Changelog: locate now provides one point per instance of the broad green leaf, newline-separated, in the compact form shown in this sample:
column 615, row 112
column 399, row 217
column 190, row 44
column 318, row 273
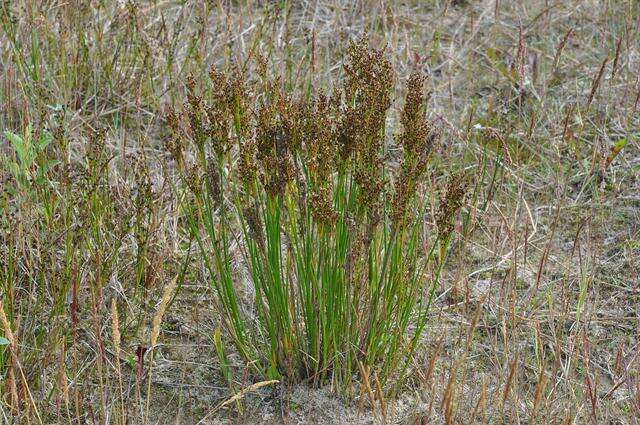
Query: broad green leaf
column 15, row 170
column 4, row 341
column 616, row 149
column 621, row 143
column 20, row 147
column 44, row 169
column 45, row 140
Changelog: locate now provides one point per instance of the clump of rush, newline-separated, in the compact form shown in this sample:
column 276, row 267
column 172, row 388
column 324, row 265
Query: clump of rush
column 298, row 192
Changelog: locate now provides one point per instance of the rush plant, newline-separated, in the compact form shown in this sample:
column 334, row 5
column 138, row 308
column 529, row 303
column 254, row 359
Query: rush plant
column 299, row 195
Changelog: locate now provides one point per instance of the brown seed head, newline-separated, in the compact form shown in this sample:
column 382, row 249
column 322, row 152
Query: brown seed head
column 367, row 91
column 321, row 202
column 415, row 136
column 318, row 137
column 194, row 179
column 213, row 182
column 273, row 145
column 254, row 223
column 247, row 167
column 417, row 139
column 450, row 204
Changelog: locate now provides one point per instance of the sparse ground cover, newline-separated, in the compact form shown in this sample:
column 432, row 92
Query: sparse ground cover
column 110, row 312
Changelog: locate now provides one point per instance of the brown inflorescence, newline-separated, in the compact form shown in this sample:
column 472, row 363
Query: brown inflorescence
column 367, row 92
column 417, row 140
column 450, row 204
column 273, row 145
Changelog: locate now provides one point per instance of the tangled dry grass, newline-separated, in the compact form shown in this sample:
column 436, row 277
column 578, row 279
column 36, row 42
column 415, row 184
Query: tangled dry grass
column 108, row 309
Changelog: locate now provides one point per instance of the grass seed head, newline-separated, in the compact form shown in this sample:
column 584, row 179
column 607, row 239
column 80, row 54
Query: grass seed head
column 417, row 139
column 254, row 223
column 193, row 179
column 273, row 142
column 319, row 138
column 416, row 128
column 247, row 166
column 367, row 91
column 450, row 204
column 193, row 108
column 213, row 181
column 321, row 201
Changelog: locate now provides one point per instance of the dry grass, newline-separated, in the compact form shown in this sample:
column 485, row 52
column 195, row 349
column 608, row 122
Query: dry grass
column 536, row 319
